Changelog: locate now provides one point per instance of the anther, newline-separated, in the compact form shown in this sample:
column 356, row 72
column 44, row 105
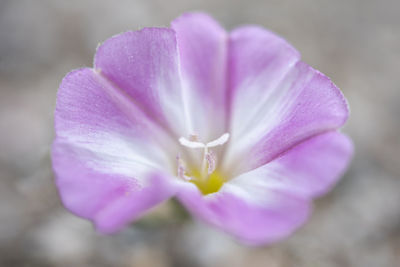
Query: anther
column 193, row 137
column 181, row 169
column 211, row 160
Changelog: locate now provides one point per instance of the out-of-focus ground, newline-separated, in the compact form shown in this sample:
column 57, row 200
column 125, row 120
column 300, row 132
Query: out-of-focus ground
column 355, row 42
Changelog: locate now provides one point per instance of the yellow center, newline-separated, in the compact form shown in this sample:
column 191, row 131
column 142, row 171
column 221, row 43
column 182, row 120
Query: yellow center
column 211, row 184
column 207, row 178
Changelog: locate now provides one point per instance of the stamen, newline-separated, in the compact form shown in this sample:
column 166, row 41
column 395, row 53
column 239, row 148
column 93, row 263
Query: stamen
column 204, row 164
column 211, row 160
column 181, row 169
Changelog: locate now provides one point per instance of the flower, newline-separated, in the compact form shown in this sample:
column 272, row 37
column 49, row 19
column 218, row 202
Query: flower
column 234, row 125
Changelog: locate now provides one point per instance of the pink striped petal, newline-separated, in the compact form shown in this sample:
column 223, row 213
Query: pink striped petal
column 253, row 215
column 144, row 65
column 109, row 198
column 106, row 152
column 202, row 45
column 277, row 101
column 309, row 169
column 270, row 202
column 258, row 62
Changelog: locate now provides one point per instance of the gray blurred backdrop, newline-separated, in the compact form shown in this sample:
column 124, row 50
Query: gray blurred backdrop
column 355, row 42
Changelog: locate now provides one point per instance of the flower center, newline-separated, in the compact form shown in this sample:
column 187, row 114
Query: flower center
column 205, row 174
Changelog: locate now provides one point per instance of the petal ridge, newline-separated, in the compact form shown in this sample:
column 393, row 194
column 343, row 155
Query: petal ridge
column 202, row 51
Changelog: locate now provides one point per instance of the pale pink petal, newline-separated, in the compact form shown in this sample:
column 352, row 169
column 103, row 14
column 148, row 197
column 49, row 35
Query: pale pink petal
column 105, row 195
column 253, row 215
column 277, row 101
column 315, row 107
column 202, row 45
column 144, row 65
column 91, row 112
column 270, row 202
column 258, row 62
column 105, row 150
column 309, row 169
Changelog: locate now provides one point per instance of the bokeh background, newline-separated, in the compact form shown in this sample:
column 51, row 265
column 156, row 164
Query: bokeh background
column 355, row 42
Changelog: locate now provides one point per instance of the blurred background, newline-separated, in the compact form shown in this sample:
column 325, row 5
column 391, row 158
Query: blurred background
column 355, row 42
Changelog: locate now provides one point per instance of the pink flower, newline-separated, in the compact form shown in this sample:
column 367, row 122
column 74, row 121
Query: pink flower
column 234, row 125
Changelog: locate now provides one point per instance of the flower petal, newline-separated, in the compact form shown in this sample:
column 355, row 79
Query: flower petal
column 258, row 62
column 92, row 113
column 276, row 100
column 270, row 202
column 105, row 150
column 202, row 45
column 144, row 65
column 313, row 108
column 309, row 169
column 252, row 214
column 110, row 198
